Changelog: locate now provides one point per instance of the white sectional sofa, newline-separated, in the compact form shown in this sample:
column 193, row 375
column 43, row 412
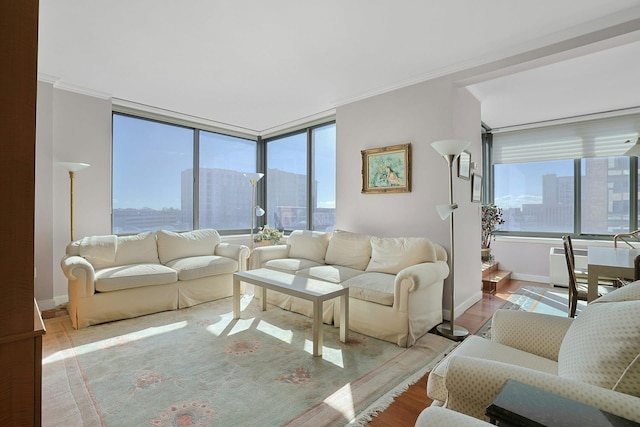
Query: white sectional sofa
column 117, row 277
column 395, row 284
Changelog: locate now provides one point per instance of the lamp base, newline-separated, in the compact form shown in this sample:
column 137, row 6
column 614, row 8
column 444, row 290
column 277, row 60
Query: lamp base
column 458, row 334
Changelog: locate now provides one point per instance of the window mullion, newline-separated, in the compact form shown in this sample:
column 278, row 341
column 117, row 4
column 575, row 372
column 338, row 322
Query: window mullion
column 577, row 197
column 310, row 178
column 633, row 193
column 196, row 179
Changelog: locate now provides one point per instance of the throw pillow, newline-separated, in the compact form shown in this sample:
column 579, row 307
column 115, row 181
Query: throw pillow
column 602, row 347
column 349, row 249
column 390, row 255
column 310, row 245
column 181, row 245
column 137, row 249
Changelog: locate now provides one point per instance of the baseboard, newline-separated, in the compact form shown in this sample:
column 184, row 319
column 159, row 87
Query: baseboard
column 530, row 278
column 50, row 304
column 464, row 306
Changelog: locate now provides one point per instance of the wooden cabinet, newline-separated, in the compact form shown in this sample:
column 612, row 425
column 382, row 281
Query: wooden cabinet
column 20, row 325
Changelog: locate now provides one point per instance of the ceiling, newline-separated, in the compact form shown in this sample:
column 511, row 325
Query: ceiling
column 260, row 66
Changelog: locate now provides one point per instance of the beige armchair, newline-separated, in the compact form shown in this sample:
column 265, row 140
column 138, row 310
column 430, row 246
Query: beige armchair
column 593, row 359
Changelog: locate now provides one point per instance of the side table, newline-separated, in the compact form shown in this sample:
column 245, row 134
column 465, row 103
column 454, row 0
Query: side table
column 520, row 404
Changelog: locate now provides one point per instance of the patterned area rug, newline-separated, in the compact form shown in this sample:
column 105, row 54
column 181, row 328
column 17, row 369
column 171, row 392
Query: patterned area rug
column 199, row 367
column 554, row 301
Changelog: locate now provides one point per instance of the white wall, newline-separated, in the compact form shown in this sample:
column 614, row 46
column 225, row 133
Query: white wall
column 75, row 128
column 418, row 114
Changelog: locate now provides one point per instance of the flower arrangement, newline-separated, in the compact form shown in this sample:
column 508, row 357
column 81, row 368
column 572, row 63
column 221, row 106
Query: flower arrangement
column 267, row 233
column 491, row 218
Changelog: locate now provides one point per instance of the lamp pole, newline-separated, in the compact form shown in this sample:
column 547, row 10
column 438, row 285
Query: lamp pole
column 72, row 167
column 253, row 179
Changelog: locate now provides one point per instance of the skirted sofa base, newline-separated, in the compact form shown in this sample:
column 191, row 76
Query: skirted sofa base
column 395, row 284
column 118, row 277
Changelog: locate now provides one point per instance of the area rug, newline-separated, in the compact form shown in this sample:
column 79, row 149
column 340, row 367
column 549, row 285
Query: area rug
column 199, row 367
column 554, row 301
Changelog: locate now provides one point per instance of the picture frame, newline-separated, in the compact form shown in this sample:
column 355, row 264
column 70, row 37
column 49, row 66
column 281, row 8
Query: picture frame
column 386, row 169
column 464, row 165
column 476, row 188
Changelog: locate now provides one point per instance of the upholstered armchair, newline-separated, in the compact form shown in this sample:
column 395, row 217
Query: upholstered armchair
column 593, row 359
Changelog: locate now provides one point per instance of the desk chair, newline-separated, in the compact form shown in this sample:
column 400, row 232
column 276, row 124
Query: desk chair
column 578, row 290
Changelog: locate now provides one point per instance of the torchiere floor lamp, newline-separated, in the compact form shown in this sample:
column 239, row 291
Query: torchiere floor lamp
column 450, row 149
column 255, row 209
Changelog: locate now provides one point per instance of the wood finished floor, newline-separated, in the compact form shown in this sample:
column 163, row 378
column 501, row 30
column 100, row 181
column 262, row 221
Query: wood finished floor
column 405, row 409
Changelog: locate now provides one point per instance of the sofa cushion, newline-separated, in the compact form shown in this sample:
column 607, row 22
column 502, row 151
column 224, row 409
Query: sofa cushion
column 290, row 265
column 137, row 249
column 101, row 248
column 308, row 245
column 602, row 347
column 182, row 245
column 482, row 348
column 349, row 249
column 203, row 266
column 134, row 276
column 372, row 287
column 329, row 273
column 390, row 255
column 630, row 292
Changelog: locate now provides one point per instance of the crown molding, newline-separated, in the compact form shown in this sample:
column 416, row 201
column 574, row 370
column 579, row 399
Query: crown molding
column 81, row 90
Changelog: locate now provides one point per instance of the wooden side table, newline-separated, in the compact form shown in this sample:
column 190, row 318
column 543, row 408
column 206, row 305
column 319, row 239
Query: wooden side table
column 520, row 404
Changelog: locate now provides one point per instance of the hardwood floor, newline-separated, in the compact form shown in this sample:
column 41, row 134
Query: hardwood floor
column 405, row 409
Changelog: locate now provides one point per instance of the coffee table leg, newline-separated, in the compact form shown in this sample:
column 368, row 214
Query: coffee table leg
column 263, row 298
column 317, row 328
column 344, row 317
column 236, row 298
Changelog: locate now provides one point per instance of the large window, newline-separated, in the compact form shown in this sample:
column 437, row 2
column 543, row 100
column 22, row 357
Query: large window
column 177, row 177
column 151, row 163
column 570, row 178
column 291, row 194
column 153, row 177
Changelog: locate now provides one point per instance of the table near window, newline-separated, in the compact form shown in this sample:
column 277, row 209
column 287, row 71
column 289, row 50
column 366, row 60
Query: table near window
column 608, row 262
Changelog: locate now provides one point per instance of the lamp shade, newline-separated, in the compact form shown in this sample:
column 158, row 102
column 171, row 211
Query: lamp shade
column 445, row 210
column 74, row 166
column 254, row 177
column 450, row 147
column 634, row 150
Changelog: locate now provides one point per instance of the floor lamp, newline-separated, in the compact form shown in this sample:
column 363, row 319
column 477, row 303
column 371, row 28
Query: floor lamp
column 450, row 149
column 72, row 167
column 255, row 209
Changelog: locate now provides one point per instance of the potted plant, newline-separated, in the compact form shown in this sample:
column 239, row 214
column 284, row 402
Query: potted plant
column 267, row 236
column 491, row 218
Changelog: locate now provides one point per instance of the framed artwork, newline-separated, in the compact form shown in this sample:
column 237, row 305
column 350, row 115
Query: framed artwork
column 387, row 169
column 464, row 165
column 476, row 188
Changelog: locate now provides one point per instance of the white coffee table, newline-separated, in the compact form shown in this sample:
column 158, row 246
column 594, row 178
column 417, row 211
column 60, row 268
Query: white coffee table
column 316, row 291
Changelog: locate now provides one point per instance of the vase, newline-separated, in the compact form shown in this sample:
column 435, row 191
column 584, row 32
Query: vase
column 485, row 254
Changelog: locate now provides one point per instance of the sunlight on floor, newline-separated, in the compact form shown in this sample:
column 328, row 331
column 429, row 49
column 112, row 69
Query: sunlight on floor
column 112, row 342
column 342, row 402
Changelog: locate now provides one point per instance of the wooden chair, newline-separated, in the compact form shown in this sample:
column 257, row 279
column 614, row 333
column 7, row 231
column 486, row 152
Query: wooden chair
column 578, row 290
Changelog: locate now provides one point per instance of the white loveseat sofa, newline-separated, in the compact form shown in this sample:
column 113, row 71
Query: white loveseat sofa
column 117, row 277
column 593, row 359
column 395, row 284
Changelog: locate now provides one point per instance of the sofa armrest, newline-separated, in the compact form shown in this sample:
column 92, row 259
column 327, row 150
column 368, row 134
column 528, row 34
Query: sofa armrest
column 239, row 253
column 80, row 274
column 434, row 416
column 536, row 333
column 262, row 254
column 417, row 276
column 473, row 384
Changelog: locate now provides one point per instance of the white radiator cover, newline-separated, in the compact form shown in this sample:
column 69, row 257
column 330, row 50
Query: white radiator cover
column 558, row 275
